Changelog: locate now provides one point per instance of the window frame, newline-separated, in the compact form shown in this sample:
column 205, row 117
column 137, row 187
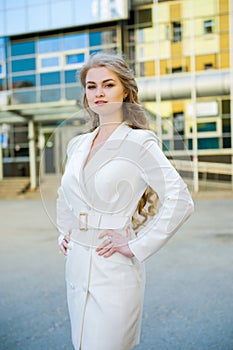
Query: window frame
column 3, row 73
column 71, row 66
column 205, row 27
column 176, row 32
column 52, row 68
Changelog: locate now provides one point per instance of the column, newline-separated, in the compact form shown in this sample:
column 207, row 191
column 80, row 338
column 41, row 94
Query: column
column 231, row 80
column 1, row 160
column 32, row 154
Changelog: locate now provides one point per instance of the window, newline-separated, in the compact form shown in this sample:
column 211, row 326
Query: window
column 75, row 41
column 95, row 39
column 1, row 69
column 49, row 45
column 107, row 37
column 70, row 76
column 75, row 58
column 50, row 78
column 145, row 16
column 178, row 123
column 177, row 33
column 23, row 65
column 23, row 48
column 49, row 62
column 208, row 26
column 177, row 70
column 24, row 81
column 167, row 32
column 2, row 53
column 208, row 66
column 92, row 52
column 206, row 127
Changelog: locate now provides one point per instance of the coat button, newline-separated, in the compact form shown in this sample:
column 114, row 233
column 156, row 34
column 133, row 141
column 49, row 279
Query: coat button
column 72, row 286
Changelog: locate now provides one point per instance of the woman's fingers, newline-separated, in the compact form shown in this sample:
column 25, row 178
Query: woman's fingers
column 105, row 246
column 115, row 242
column 65, row 244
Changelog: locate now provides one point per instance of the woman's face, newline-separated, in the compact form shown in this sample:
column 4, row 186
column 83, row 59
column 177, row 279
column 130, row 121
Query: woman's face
column 104, row 91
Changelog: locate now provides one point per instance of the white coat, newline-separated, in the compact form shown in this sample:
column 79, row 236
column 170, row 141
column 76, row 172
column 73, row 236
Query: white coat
column 105, row 295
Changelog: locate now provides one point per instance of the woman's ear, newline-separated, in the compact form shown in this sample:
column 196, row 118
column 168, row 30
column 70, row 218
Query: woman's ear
column 125, row 95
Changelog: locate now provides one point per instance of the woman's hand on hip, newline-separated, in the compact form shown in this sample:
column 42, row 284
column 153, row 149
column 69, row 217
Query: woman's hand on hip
column 114, row 242
column 64, row 246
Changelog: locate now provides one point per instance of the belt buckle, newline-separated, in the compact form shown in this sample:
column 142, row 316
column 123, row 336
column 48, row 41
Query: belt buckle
column 83, row 225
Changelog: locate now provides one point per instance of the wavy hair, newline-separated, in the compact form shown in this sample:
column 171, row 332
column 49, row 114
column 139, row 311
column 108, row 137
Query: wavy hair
column 133, row 115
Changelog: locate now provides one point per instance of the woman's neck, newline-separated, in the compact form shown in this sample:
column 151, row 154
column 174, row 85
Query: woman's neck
column 104, row 124
column 106, row 128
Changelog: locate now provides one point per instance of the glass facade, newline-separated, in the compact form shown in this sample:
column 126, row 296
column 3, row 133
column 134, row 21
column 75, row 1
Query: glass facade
column 43, row 15
column 50, row 61
column 42, row 67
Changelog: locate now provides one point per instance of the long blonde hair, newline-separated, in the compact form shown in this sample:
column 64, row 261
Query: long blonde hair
column 133, row 114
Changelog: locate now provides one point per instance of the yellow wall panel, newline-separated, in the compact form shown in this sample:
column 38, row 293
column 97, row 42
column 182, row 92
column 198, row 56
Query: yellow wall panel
column 150, row 68
column 165, row 108
column 176, row 49
column 163, row 67
column 205, row 59
column 177, row 106
column 175, row 11
column 187, row 64
column 223, row 23
column 223, row 5
column 224, row 41
column 224, row 60
column 176, row 62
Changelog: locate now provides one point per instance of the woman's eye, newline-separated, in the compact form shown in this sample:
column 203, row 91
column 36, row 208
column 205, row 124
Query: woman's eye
column 90, row 87
column 109, row 85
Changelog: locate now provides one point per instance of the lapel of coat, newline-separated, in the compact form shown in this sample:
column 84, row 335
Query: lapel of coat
column 108, row 151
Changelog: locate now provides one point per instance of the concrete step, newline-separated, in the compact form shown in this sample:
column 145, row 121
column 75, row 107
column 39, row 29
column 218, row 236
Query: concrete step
column 13, row 187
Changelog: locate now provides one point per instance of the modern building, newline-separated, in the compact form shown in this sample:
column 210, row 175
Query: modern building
column 180, row 50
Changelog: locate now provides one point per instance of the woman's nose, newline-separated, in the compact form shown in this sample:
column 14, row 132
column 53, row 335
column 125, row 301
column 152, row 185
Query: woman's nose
column 99, row 91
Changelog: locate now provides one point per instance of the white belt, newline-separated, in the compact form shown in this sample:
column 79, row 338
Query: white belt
column 88, row 221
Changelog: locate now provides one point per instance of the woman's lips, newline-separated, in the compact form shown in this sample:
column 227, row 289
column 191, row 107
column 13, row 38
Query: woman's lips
column 100, row 102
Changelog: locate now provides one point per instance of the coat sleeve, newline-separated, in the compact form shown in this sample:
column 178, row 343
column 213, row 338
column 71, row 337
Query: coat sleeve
column 175, row 202
column 64, row 216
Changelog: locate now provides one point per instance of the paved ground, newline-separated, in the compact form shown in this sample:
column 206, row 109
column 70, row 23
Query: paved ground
column 189, row 295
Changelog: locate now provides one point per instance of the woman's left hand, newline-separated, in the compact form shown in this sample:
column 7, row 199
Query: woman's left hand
column 114, row 242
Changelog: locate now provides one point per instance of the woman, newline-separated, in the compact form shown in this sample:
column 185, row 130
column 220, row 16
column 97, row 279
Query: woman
column 119, row 202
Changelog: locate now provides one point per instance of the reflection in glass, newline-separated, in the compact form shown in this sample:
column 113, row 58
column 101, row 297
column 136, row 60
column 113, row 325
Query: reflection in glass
column 50, row 95
column 23, row 48
column 75, row 41
column 70, row 76
column 50, row 78
column 49, row 45
column 49, row 62
column 24, row 81
column 28, row 96
column 23, row 65
column 75, row 58
column 102, row 38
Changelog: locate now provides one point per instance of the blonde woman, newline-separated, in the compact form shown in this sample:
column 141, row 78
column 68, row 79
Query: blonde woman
column 120, row 200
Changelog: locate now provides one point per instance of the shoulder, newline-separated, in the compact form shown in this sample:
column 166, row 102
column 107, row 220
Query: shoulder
column 75, row 142
column 143, row 136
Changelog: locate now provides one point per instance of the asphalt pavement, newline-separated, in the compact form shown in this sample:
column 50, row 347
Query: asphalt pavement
column 189, row 292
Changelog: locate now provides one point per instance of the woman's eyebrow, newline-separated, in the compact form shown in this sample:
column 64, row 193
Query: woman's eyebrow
column 104, row 81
